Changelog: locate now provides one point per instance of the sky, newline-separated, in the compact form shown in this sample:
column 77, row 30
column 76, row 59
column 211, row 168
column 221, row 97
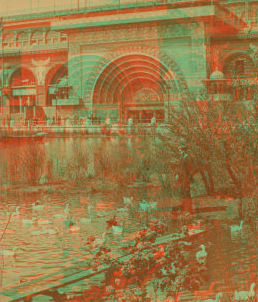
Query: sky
column 11, row 7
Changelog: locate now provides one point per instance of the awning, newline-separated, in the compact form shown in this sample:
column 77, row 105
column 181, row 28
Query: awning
column 24, row 91
column 66, row 102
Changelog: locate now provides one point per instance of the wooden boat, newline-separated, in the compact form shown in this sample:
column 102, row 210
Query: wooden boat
column 24, row 137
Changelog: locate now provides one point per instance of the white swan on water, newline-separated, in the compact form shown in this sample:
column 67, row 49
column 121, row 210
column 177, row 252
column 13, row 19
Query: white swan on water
column 64, row 214
column 244, row 295
column 236, row 229
column 201, row 256
column 27, row 222
column 38, row 207
column 8, row 252
column 17, row 213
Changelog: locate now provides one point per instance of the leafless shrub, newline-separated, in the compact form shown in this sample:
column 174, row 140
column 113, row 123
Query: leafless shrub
column 78, row 165
column 32, row 161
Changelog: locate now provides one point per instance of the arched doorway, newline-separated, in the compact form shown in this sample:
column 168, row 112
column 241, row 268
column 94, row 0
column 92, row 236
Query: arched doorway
column 135, row 86
column 57, row 88
column 58, row 92
column 23, row 93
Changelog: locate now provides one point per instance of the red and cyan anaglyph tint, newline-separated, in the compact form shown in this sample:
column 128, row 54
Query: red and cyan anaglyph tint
column 128, row 150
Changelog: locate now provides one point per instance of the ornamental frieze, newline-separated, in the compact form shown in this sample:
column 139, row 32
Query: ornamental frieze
column 131, row 33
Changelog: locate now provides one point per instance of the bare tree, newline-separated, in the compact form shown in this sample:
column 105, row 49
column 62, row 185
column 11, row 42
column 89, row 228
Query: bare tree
column 32, row 160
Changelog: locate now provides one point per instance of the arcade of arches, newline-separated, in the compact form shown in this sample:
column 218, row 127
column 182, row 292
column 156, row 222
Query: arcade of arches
column 134, row 85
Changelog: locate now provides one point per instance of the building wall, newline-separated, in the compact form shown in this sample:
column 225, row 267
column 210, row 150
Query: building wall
column 87, row 46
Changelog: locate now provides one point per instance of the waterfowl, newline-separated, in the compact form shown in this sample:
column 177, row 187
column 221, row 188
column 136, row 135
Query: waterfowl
column 103, row 206
column 51, row 231
column 128, row 201
column 36, row 206
column 153, row 205
column 17, row 213
column 6, row 221
column 9, row 253
column 37, row 233
column 117, row 229
column 84, row 200
column 122, row 210
column 193, row 227
column 44, row 221
column 74, row 228
column 204, row 294
column 85, row 220
column 236, row 230
column 217, row 299
column 201, row 256
column 28, row 222
column 144, row 206
column 244, row 295
column 65, row 213
column 60, row 216
column 6, row 231
column 67, row 210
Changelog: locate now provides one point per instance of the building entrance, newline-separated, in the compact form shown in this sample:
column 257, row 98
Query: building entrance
column 145, row 116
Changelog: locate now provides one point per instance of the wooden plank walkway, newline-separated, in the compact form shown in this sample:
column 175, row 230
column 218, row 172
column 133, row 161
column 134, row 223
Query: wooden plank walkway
column 60, row 277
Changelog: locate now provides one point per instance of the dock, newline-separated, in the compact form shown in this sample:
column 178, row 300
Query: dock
column 59, row 277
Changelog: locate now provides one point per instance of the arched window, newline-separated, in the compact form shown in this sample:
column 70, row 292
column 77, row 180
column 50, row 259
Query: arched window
column 249, row 93
column 37, row 38
column 240, row 13
column 63, row 37
column 252, row 16
column 8, row 40
column 239, row 65
column 22, row 39
column 52, row 37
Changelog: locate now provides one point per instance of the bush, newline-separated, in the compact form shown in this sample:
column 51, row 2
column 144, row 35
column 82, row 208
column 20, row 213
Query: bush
column 32, row 161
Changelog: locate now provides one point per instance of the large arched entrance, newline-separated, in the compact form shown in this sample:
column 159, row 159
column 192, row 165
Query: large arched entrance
column 134, row 86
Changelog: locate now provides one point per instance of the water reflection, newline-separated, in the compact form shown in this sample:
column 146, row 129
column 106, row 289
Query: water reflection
column 39, row 252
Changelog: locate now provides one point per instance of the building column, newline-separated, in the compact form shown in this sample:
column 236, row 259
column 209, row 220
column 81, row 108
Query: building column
column 20, row 104
column 41, row 96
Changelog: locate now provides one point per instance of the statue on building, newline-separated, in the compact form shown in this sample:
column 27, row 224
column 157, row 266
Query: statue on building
column 40, row 69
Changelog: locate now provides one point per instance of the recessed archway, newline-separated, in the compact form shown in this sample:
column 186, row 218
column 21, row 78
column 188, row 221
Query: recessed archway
column 57, row 78
column 137, row 84
column 23, row 85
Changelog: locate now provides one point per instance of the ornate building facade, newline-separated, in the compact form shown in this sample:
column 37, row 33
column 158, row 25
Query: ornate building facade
column 131, row 59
